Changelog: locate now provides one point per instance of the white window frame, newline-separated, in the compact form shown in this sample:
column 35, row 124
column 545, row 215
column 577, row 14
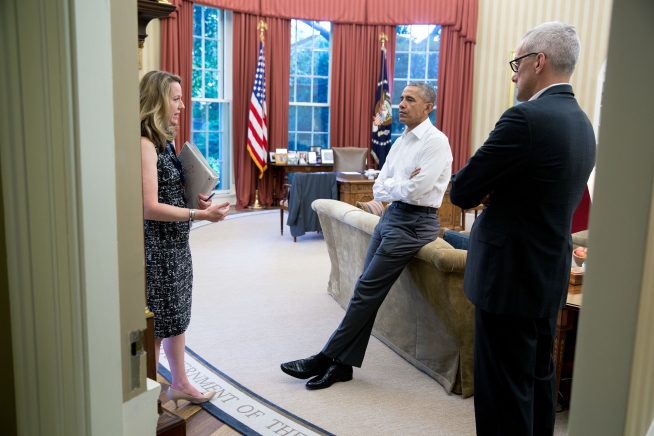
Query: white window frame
column 329, row 90
column 225, row 87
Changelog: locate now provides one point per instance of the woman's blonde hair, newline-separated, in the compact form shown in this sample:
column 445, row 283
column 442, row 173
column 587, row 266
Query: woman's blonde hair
column 155, row 88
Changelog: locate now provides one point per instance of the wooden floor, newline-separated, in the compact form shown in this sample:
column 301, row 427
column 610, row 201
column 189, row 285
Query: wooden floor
column 198, row 421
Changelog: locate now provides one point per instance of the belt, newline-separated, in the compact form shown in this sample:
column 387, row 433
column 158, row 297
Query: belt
column 413, row 207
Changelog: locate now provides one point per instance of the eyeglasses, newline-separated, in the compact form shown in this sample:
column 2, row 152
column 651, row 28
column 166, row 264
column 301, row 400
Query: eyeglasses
column 515, row 64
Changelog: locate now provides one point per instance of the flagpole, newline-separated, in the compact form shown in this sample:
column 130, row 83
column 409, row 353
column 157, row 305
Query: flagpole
column 261, row 27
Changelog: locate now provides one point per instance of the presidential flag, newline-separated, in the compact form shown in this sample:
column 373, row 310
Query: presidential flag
column 382, row 117
column 258, row 119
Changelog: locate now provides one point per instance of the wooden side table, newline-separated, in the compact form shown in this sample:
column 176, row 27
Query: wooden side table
column 567, row 320
column 354, row 187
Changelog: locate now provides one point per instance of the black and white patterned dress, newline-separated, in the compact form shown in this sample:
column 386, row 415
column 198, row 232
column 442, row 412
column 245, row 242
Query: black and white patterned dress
column 168, row 265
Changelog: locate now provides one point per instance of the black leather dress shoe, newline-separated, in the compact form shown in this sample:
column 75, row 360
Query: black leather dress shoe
column 335, row 373
column 305, row 368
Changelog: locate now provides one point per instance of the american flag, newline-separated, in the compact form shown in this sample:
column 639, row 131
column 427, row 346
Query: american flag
column 258, row 119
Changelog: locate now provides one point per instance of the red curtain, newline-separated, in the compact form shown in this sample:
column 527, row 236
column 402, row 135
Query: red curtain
column 278, row 61
column 582, row 213
column 455, row 77
column 246, row 6
column 356, row 56
column 177, row 58
column 443, row 12
column 336, row 11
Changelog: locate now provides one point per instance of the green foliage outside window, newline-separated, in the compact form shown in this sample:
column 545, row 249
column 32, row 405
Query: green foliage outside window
column 210, row 111
column 417, row 48
column 308, row 123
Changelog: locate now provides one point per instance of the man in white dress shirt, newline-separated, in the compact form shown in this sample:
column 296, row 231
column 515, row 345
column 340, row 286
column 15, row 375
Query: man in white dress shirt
column 413, row 180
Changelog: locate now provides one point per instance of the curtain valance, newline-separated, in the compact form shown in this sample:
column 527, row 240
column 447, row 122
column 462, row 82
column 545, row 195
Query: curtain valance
column 373, row 12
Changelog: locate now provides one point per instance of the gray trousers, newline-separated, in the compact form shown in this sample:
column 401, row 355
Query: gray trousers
column 396, row 239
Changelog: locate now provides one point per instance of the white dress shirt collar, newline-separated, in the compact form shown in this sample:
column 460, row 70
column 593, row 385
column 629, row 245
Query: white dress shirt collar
column 420, row 129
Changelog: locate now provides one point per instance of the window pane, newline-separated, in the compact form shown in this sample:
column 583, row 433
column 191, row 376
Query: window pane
column 398, row 87
column 197, row 20
column 292, row 112
column 211, row 84
column 419, row 36
column 211, row 54
column 197, row 83
column 291, row 93
column 402, row 39
column 432, row 66
column 401, row 65
column 321, row 140
column 304, row 62
column 303, row 89
column 217, row 166
column 303, row 141
column 214, row 145
column 321, row 63
column 435, row 39
column 197, row 52
column 200, row 139
column 293, row 61
column 320, row 90
column 215, row 112
column 432, row 116
column 321, row 119
column 418, row 65
column 291, row 141
column 211, row 23
column 199, row 115
column 396, row 126
column 304, row 118
column 320, row 42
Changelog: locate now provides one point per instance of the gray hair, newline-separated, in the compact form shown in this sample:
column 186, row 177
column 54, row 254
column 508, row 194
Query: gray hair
column 558, row 41
column 426, row 91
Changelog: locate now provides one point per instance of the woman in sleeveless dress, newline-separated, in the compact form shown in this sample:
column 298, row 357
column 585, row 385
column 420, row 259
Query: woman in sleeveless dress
column 168, row 266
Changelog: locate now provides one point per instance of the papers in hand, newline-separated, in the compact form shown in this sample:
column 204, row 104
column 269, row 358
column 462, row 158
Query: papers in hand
column 198, row 175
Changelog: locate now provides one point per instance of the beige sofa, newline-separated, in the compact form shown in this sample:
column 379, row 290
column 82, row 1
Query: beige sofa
column 426, row 317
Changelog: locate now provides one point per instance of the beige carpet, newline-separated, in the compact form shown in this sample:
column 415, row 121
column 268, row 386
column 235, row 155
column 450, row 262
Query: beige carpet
column 259, row 300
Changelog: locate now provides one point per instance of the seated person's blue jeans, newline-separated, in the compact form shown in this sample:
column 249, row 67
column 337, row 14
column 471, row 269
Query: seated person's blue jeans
column 456, row 239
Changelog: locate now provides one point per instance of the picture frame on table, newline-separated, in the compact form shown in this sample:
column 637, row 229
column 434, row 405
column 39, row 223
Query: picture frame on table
column 315, row 148
column 302, row 158
column 272, row 156
column 327, row 156
column 281, row 158
column 292, row 157
column 312, row 158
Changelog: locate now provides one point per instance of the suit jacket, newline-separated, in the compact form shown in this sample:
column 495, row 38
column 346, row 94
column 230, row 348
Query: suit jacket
column 537, row 161
column 307, row 187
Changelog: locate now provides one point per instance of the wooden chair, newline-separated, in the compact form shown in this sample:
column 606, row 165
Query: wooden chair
column 283, row 206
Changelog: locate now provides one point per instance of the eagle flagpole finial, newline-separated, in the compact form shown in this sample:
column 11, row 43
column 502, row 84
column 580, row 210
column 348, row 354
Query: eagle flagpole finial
column 383, row 38
column 261, row 27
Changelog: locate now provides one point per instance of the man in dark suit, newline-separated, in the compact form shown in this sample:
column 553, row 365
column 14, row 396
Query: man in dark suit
column 530, row 173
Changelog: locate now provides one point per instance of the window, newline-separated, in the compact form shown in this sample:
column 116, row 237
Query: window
column 416, row 60
column 308, row 121
column 211, row 95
